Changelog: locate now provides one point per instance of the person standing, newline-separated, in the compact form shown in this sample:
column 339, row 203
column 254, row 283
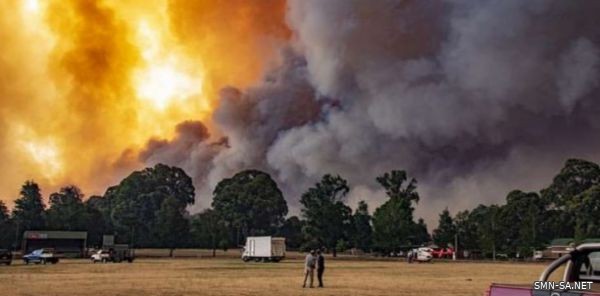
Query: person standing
column 309, row 268
column 320, row 267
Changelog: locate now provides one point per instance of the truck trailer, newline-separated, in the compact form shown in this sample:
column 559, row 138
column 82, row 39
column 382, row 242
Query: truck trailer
column 264, row 248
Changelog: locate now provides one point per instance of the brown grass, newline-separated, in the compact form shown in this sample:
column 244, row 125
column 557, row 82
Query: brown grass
column 230, row 276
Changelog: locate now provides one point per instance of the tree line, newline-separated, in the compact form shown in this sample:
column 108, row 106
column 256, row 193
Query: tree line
column 148, row 209
column 568, row 208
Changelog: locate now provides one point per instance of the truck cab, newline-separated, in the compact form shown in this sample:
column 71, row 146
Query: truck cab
column 582, row 264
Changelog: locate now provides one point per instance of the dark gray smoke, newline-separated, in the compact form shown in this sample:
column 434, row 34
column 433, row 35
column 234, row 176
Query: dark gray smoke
column 473, row 98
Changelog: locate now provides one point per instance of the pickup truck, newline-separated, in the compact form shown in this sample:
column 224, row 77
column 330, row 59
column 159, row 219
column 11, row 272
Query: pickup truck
column 581, row 265
column 42, row 256
column 118, row 253
column 101, row 256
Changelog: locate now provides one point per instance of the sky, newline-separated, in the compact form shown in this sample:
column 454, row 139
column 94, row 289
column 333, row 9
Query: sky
column 472, row 98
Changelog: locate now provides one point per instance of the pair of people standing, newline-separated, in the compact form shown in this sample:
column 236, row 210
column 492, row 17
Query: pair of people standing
column 314, row 259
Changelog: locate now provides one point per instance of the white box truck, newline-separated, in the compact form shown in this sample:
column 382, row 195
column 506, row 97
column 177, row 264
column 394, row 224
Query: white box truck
column 264, row 248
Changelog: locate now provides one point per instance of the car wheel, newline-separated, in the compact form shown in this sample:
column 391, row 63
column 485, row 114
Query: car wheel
column 26, row 261
column 8, row 263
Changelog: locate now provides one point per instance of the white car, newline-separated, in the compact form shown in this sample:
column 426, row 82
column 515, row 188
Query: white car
column 424, row 254
column 101, row 256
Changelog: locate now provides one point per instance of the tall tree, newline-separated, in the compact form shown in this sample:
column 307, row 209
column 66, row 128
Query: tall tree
column 522, row 221
column 444, row 233
column 328, row 219
column 362, row 234
column 28, row 212
column 466, row 230
column 393, row 223
column 587, row 207
column 173, row 227
column 292, row 231
column 421, row 234
column 574, row 178
column 67, row 211
column 251, row 203
column 7, row 231
column 208, row 230
column 487, row 221
column 98, row 222
column 134, row 203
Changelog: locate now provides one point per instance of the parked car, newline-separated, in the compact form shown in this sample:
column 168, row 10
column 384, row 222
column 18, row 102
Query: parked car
column 581, row 265
column 117, row 253
column 101, row 256
column 442, row 252
column 264, row 248
column 5, row 257
column 422, row 254
column 42, row 256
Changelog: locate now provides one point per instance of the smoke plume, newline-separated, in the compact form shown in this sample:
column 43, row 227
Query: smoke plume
column 472, row 98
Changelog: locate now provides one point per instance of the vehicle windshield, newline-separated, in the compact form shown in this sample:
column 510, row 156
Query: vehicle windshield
column 588, row 267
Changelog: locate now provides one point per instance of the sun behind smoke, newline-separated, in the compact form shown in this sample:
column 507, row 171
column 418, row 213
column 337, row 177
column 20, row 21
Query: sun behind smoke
column 89, row 82
column 164, row 80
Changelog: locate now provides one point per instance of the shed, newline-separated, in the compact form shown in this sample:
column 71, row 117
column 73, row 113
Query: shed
column 70, row 243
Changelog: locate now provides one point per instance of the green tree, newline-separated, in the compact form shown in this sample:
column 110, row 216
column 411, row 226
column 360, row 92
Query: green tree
column 292, row 231
column 576, row 177
column 393, row 223
column 573, row 179
column 28, row 213
column 587, row 207
column 421, row 234
column 173, row 227
column 208, row 230
column 251, row 203
column 444, row 233
column 98, row 222
column 487, row 223
column 328, row 219
column 362, row 234
column 134, row 203
column 466, row 229
column 522, row 221
column 7, row 231
column 67, row 211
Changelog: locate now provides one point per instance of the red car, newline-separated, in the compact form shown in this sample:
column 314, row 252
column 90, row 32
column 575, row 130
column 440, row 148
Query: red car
column 443, row 252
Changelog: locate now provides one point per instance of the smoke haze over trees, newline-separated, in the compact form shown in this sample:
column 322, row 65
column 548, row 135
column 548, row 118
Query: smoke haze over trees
column 473, row 98
column 148, row 209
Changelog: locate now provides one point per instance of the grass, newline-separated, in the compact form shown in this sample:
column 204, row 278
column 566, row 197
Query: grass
column 231, row 276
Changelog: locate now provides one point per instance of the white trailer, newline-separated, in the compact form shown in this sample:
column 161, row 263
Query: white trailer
column 264, row 248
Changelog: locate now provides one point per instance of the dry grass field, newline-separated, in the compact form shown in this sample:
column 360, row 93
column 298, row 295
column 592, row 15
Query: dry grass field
column 230, row 276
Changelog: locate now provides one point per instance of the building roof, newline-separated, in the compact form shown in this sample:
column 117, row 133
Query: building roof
column 561, row 242
column 43, row 234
